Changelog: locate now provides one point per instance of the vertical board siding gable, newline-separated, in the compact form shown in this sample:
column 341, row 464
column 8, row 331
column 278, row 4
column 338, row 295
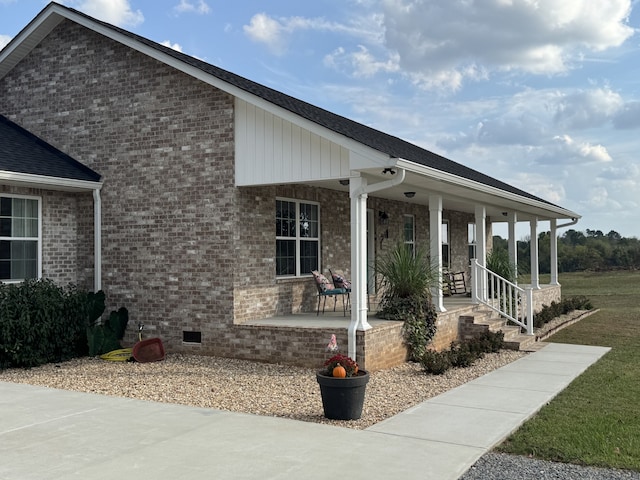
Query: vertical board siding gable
column 272, row 150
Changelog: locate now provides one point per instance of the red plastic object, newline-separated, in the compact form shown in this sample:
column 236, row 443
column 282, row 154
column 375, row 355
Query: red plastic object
column 149, row 350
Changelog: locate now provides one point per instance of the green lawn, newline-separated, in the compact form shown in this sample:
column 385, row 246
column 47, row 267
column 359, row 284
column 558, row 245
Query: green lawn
column 596, row 420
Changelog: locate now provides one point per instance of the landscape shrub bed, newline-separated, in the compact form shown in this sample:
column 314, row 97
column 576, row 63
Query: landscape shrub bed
column 566, row 305
column 462, row 354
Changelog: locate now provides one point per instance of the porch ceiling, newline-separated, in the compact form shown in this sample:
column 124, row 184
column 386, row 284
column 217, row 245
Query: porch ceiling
column 458, row 197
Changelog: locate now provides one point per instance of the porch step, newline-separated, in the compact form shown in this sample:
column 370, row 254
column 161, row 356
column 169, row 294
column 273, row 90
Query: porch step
column 488, row 320
column 522, row 342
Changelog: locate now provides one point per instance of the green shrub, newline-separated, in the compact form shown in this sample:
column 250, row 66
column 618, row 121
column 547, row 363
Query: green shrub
column 566, row 305
column 488, row 342
column 435, row 363
column 419, row 325
column 462, row 354
column 41, row 323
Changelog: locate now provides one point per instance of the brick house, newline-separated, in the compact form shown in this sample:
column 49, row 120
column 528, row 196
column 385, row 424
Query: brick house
column 159, row 178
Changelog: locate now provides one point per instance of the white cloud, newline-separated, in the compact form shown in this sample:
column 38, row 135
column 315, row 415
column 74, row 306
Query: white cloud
column 264, row 29
column 361, row 62
column 624, row 173
column 599, row 199
column 587, row 109
column 628, row 116
column 175, row 46
column 541, row 186
column 569, row 151
column 185, row 6
column 276, row 33
column 522, row 130
column 4, row 40
column 442, row 44
column 117, row 12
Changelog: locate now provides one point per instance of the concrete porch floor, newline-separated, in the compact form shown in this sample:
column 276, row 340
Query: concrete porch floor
column 331, row 319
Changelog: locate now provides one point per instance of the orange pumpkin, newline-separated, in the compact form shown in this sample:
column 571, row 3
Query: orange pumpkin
column 339, row 371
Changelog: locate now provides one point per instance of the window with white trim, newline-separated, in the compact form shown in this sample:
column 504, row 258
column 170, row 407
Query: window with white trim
column 446, row 257
column 19, row 237
column 297, row 237
column 471, row 240
column 410, row 233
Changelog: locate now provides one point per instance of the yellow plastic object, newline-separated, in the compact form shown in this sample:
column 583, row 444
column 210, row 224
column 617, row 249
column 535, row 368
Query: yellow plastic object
column 120, row 355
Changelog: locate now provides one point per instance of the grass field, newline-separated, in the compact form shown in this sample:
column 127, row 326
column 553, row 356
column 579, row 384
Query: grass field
column 596, row 420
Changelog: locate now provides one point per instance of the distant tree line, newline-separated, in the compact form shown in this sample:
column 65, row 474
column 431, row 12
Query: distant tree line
column 579, row 251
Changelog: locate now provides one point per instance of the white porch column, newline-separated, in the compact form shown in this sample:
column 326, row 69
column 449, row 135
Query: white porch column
column 513, row 243
column 435, row 234
column 553, row 234
column 359, row 321
column 535, row 275
column 481, row 248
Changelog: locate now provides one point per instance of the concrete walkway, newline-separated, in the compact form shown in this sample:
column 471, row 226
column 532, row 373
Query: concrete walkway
column 56, row 434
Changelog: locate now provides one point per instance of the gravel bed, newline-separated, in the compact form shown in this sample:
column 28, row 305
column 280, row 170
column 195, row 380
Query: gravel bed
column 243, row 386
column 500, row 466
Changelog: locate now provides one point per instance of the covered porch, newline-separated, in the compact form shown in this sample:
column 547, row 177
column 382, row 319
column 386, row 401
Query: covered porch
column 372, row 190
column 300, row 338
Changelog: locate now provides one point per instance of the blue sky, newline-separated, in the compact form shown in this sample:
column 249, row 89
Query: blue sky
column 542, row 94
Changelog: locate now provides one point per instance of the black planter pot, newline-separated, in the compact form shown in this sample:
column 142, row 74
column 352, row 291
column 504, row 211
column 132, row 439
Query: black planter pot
column 343, row 398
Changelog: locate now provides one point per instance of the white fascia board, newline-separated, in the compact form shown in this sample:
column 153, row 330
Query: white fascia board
column 482, row 188
column 20, row 46
column 46, row 182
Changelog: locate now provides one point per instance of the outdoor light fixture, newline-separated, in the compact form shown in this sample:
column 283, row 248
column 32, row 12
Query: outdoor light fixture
column 383, row 217
column 409, row 194
column 344, row 181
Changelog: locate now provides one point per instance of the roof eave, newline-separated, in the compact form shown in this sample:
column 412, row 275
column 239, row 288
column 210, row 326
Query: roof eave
column 47, row 182
column 554, row 211
column 30, row 36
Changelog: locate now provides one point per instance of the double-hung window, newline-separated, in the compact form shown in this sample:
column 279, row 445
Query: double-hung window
column 410, row 233
column 446, row 251
column 297, row 237
column 19, row 237
column 471, row 240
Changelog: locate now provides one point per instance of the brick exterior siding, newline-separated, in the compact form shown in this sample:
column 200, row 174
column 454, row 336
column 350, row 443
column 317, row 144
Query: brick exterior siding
column 182, row 248
column 163, row 143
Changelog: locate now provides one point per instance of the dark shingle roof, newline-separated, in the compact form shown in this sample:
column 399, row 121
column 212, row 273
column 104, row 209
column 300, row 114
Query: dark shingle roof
column 383, row 142
column 23, row 152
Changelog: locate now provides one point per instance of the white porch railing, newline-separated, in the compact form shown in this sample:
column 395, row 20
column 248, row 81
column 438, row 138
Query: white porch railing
column 499, row 294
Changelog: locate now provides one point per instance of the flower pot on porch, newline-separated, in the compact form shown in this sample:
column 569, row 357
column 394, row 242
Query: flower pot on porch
column 343, row 398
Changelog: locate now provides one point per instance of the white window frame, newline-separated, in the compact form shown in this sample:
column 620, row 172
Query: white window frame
column 411, row 243
column 471, row 240
column 298, row 239
column 37, row 239
column 446, row 243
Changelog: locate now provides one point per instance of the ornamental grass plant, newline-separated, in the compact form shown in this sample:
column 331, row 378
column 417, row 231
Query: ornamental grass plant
column 408, row 278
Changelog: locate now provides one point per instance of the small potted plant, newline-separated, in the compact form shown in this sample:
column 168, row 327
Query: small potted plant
column 342, row 386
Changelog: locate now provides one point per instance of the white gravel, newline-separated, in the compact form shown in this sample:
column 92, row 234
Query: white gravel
column 242, row 386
